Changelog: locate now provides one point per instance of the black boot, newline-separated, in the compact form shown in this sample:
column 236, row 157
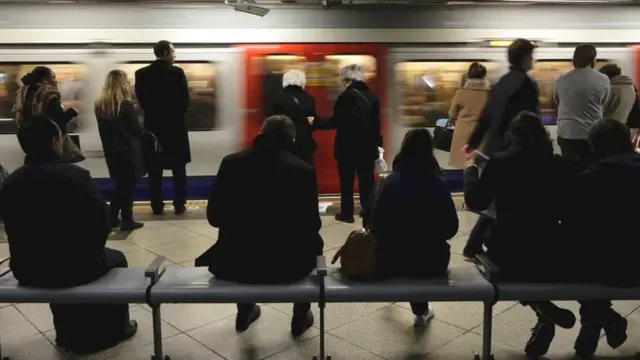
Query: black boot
column 541, row 336
column 243, row 320
column 550, row 312
column 345, row 218
column 301, row 323
column 130, row 225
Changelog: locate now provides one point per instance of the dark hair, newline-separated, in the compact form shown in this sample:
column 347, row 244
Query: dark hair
column 476, row 71
column 611, row 70
column 279, row 125
column 526, row 130
column 35, row 135
column 518, row 50
column 416, row 153
column 38, row 74
column 610, row 137
column 584, row 55
column 161, row 48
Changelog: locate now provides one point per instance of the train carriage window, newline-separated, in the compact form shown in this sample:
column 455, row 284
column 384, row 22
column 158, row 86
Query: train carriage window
column 271, row 68
column 330, row 74
column 427, row 88
column 70, row 83
column 545, row 73
column 201, row 76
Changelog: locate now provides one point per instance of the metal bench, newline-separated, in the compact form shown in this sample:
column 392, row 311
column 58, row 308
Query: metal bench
column 197, row 285
column 118, row 286
column 463, row 284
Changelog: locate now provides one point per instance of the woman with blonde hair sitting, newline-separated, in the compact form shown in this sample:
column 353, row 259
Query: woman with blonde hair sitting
column 121, row 135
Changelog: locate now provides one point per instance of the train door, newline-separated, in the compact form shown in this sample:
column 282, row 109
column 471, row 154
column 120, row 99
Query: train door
column 551, row 62
column 422, row 83
column 265, row 65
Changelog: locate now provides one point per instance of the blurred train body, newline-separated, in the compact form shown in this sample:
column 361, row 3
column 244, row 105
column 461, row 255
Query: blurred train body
column 414, row 59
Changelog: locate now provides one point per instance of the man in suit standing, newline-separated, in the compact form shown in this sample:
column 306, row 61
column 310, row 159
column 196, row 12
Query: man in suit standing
column 163, row 94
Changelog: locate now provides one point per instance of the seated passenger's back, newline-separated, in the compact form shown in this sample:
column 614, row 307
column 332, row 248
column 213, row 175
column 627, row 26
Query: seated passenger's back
column 604, row 218
column 265, row 203
column 56, row 221
column 529, row 185
column 414, row 215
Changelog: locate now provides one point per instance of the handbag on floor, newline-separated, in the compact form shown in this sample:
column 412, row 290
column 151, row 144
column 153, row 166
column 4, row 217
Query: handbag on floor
column 358, row 254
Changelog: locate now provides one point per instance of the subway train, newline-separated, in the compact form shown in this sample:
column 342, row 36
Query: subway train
column 414, row 59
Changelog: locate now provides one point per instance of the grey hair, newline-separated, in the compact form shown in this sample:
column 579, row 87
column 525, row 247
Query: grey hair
column 294, row 77
column 352, row 72
column 279, row 125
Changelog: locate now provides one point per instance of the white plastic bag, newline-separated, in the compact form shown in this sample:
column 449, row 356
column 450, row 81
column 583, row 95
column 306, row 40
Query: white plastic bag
column 380, row 164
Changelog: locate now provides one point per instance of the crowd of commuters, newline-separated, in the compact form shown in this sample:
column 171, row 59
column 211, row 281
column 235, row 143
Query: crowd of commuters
column 557, row 217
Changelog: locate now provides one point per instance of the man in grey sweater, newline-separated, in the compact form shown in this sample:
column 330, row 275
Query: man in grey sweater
column 580, row 95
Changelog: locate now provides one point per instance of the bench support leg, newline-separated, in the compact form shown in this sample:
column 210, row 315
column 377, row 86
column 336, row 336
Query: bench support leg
column 487, row 325
column 158, row 353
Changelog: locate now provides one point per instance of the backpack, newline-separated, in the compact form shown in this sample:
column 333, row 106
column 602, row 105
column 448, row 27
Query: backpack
column 358, row 254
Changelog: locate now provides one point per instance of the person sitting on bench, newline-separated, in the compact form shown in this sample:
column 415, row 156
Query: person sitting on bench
column 529, row 185
column 603, row 229
column 414, row 217
column 57, row 224
column 265, row 203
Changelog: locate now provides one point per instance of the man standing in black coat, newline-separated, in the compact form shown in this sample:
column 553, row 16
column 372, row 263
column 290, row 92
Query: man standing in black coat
column 163, row 94
column 513, row 93
column 356, row 118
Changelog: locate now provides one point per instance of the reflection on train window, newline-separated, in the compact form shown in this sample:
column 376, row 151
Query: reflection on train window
column 427, row 88
column 70, row 83
column 271, row 68
column 201, row 77
column 545, row 73
column 330, row 76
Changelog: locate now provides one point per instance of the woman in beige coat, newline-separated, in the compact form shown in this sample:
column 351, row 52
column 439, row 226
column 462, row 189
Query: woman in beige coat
column 466, row 107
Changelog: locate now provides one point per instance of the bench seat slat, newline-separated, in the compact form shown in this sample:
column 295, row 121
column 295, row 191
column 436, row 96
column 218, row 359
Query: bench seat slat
column 120, row 285
column 197, row 285
column 463, row 284
column 521, row 291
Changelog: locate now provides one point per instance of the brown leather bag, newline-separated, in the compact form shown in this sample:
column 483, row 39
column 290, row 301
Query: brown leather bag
column 358, row 254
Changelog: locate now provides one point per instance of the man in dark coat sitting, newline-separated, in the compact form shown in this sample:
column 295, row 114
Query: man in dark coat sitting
column 265, row 203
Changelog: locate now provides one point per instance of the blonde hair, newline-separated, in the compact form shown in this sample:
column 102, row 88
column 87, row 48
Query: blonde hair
column 114, row 92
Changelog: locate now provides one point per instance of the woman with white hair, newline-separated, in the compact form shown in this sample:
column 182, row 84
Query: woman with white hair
column 298, row 105
column 356, row 118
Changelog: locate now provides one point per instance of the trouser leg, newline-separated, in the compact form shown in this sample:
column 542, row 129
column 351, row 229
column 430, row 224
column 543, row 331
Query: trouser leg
column 126, row 197
column 301, row 309
column 577, row 151
column 116, row 201
column 179, row 185
column 346, row 172
column 477, row 236
column 366, row 181
column 155, row 188
column 245, row 309
column 594, row 311
column 419, row 308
